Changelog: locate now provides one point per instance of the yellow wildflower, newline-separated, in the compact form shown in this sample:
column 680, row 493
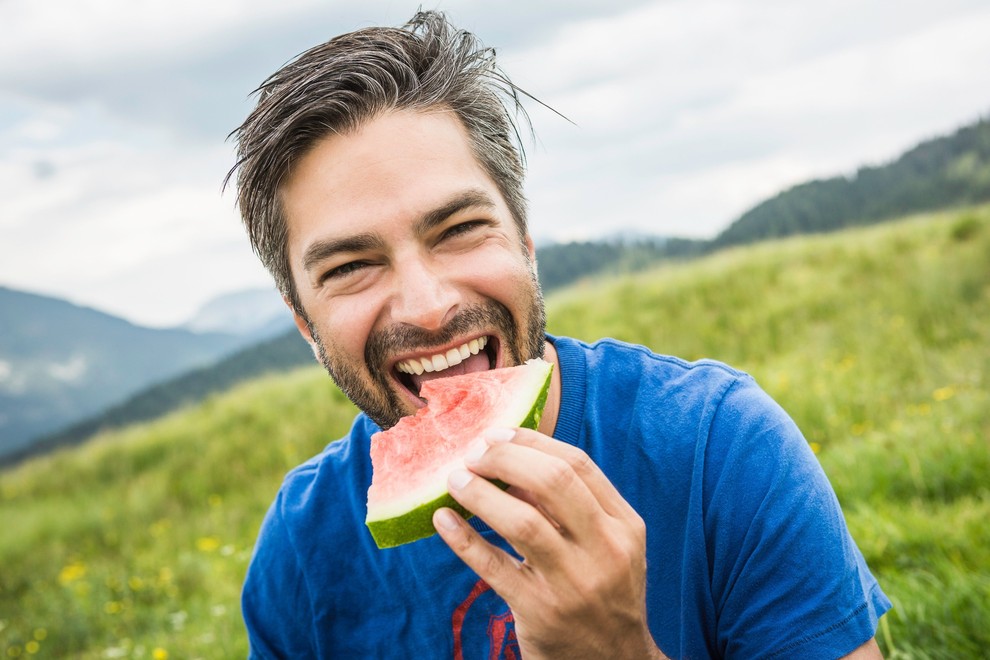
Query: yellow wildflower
column 207, row 543
column 944, row 393
column 159, row 654
column 71, row 572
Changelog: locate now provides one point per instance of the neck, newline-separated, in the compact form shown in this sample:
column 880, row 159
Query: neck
column 552, row 408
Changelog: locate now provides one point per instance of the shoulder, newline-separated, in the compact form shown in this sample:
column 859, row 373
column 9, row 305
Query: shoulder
column 342, row 467
column 616, row 392
column 280, row 575
column 610, row 368
column 335, row 480
column 613, row 357
column 329, row 478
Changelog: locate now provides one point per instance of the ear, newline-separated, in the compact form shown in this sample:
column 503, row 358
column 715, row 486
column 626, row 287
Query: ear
column 531, row 249
column 303, row 327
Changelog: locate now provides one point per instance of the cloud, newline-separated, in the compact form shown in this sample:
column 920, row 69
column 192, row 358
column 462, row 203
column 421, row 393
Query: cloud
column 190, row 65
column 114, row 114
column 688, row 113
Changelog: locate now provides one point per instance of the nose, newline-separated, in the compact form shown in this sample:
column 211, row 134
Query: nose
column 423, row 295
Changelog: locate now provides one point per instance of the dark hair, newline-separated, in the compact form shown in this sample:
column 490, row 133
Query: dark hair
column 339, row 85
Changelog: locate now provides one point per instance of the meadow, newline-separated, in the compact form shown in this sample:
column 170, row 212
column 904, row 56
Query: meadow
column 876, row 340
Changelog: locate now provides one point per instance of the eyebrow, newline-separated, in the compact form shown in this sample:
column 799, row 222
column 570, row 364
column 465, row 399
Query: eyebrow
column 473, row 198
column 324, row 249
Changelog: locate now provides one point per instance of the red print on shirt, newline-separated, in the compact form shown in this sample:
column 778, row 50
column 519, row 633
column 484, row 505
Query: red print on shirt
column 501, row 629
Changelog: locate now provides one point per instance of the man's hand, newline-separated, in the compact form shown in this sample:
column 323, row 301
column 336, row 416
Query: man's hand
column 580, row 591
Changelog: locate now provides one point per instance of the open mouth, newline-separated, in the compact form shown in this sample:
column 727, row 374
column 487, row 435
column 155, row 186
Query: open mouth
column 479, row 354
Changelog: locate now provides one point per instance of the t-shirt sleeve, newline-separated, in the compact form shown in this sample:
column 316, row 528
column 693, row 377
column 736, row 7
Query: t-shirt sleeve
column 275, row 600
column 787, row 578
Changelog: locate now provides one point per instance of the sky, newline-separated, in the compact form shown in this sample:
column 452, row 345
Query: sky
column 683, row 114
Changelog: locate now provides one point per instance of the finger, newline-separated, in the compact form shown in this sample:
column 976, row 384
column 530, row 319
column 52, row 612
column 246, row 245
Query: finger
column 503, row 572
column 550, row 483
column 525, row 528
column 531, row 499
column 608, row 497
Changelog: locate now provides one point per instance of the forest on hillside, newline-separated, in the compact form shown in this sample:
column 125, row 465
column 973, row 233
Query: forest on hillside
column 945, row 172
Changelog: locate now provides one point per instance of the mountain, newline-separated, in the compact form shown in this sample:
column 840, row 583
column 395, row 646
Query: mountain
column 60, row 362
column 257, row 313
column 278, row 354
column 945, row 172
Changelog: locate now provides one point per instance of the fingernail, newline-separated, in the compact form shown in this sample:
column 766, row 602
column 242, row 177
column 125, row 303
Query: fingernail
column 446, row 518
column 475, row 454
column 499, row 434
column 459, row 479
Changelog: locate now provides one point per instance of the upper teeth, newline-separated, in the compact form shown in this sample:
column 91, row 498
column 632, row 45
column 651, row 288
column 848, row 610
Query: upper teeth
column 442, row 361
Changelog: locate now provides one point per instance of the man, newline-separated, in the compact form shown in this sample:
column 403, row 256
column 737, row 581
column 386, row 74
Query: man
column 661, row 509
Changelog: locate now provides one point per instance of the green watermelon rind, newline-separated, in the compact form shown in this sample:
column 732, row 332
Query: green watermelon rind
column 417, row 523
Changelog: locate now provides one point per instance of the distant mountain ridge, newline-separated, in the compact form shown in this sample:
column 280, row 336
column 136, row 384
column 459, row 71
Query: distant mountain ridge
column 61, row 362
column 257, row 312
column 277, row 354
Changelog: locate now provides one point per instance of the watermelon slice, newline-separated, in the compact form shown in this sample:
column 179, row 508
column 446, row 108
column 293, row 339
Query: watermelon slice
column 411, row 461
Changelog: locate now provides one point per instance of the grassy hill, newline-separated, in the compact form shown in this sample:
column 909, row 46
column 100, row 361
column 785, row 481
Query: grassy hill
column 876, row 340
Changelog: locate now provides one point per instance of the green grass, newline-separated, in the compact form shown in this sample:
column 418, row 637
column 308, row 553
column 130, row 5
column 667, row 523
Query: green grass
column 876, row 340
column 135, row 545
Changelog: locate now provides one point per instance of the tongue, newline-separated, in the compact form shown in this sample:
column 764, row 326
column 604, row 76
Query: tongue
column 477, row 362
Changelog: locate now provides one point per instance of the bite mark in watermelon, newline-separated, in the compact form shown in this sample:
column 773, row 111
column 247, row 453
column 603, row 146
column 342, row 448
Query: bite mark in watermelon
column 411, row 461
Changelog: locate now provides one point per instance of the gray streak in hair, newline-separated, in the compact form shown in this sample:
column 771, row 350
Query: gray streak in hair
column 427, row 65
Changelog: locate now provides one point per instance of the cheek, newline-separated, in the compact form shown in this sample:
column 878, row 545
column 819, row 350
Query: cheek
column 345, row 329
column 505, row 277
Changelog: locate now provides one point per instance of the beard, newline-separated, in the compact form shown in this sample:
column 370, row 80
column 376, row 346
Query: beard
column 378, row 397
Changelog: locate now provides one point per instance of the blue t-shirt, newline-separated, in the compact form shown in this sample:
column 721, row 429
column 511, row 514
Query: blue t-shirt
column 748, row 552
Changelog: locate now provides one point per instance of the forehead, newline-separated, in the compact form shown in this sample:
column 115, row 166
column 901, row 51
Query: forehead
column 392, row 169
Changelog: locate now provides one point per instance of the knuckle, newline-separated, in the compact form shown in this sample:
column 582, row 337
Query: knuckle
column 580, row 461
column 560, row 475
column 492, row 564
column 638, row 527
column 627, row 547
column 526, row 526
column 462, row 544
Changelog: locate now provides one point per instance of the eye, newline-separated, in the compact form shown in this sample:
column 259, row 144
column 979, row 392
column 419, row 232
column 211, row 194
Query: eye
column 462, row 228
column 343, row 270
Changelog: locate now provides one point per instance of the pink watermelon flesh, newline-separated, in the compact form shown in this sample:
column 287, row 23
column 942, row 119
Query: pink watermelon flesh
column 411, row 461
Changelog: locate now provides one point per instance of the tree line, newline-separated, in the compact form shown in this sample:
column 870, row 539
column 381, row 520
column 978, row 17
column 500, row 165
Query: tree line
column 942, row 173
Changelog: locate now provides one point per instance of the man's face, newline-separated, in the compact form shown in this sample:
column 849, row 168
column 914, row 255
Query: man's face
column 407, row 262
